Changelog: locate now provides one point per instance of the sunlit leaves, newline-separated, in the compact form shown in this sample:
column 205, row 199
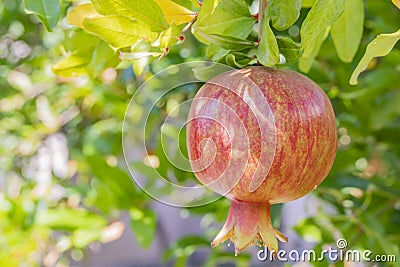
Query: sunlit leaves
column 225, row 17
column 119, row 31
column 322, row 14
column 145, row 11
column 284, row 13
column 348, row 29
column 89, row 55
column 123, row 24
column 379, row 47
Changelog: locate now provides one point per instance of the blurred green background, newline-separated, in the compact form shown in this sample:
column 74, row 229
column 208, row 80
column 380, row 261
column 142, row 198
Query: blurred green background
column 64, row 186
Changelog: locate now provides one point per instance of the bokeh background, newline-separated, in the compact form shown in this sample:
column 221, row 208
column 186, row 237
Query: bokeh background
column 67, row 199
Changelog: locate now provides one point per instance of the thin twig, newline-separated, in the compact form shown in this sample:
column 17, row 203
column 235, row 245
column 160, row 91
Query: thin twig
column 187, row 27
column 262, row 7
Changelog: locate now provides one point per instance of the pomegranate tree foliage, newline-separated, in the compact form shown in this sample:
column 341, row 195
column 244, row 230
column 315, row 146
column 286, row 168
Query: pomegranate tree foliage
column 52, row 210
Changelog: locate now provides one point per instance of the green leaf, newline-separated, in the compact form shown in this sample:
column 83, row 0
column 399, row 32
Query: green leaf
column 226, row 42
column 348, row 29
column 207, row 8
column 102, row 57
column 379, row 47
column 267, row 50
column 80, row 45
column 83, row 237
column 140, row 57
column 187, row 3
column 72, row 66
column 215, row 53
column 119, row 31
column 115, row 180
column 322, row 14
column 238, row 60
column 48, row 11
column 185, row 247
column 307, row 3
column 89, row 55
column 69, row 219
column 225, row 17
column 145, row 11
column 309, row 231
column 291, row 50
column 305, row 64
column 170, row 36
column 284, row 13
column 143, row 223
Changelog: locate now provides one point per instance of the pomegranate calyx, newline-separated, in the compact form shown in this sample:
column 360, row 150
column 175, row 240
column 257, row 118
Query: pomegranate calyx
column 248, row 223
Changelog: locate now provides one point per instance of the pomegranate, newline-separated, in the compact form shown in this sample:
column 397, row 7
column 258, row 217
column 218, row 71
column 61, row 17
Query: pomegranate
column 260, row 136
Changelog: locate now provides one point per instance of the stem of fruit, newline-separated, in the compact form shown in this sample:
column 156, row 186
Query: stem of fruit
column 261, row 10
column 248, row 223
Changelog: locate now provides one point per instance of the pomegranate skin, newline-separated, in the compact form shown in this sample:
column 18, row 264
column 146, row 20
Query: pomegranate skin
column 273, row 131
column 305, row 134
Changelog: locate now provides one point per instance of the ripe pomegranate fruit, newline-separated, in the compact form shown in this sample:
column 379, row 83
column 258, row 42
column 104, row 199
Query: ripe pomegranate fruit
column 260, row 136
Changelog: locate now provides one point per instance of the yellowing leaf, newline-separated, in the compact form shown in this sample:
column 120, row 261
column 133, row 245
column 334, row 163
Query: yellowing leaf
column 79, row 13
column 119, row 31
column 379, row 47
column 174, row 12
column 396, row 3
